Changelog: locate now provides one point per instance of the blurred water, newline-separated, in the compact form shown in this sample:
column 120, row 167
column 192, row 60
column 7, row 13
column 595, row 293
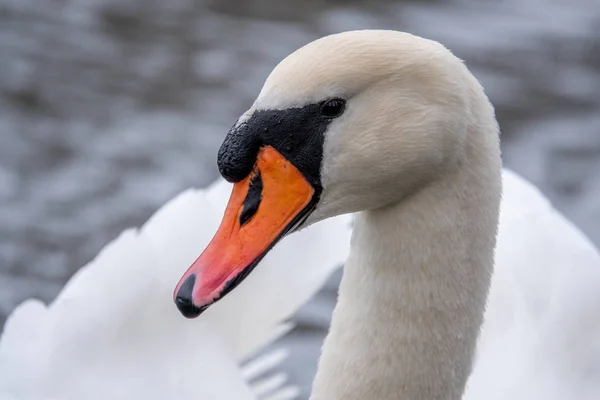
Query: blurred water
column 110, row 107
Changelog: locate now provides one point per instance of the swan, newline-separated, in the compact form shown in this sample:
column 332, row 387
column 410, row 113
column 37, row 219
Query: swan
column 365, row 122
column 113, row 333
column 396, row 129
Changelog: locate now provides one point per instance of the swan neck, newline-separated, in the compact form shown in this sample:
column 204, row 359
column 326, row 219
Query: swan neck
column 413, row 294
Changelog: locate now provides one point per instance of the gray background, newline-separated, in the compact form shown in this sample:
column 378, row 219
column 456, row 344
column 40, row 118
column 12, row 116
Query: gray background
column 110, row 107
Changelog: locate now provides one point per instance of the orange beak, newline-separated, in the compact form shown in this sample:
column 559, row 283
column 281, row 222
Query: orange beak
column 262, row 209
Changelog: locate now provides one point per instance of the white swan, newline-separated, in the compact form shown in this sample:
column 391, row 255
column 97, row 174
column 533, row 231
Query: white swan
column 414, row 286
column 396, row 128
column 113, row 332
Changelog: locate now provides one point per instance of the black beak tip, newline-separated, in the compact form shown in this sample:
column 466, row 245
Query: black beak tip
column 187, row 308
column 184, row 302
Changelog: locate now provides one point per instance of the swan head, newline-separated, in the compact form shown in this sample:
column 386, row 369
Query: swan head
column 350, row 122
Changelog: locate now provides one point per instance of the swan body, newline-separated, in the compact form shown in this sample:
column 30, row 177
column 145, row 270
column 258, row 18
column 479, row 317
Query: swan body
column 540, row 339
column 113, row 333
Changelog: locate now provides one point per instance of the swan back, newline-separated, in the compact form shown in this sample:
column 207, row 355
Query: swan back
column 541, row 337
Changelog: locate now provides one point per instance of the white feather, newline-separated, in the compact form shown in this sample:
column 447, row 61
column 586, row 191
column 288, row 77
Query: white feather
column 541, row 336
column 114, row 332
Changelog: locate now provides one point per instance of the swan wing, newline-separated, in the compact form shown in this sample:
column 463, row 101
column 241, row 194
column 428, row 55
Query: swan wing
column 114, row 333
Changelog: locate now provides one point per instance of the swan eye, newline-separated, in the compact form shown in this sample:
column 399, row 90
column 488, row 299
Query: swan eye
column 333, row 108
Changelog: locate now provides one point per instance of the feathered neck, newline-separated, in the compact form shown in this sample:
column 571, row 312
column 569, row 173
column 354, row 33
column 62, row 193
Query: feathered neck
column 412, row 298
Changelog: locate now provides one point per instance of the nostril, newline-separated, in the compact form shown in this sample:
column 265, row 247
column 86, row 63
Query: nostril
column 184, row 301
column 253, row 199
